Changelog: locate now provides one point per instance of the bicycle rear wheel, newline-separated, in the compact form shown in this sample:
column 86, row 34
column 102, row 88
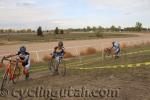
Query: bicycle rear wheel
column 62, row 68
column 17, row 73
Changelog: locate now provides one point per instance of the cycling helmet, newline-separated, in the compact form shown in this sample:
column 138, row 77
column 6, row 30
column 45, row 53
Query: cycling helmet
column 113, row 42
column 60, row 44
column 22, row 49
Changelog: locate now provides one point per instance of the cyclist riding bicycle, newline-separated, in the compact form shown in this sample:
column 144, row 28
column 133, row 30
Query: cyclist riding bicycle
column 24, row 56
column 116, row 47
column 58, row 54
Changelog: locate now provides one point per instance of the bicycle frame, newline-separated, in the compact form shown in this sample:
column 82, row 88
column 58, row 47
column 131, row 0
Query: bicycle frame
column 108, row 52
column 10, row 72
column 56, row 66
column 58, row 59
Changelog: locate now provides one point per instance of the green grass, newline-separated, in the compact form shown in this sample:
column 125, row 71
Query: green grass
column 53, row 37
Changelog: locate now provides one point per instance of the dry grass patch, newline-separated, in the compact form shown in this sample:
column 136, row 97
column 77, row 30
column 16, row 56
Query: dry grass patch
column 68, row 55
column 47, row 58
column 88, row 51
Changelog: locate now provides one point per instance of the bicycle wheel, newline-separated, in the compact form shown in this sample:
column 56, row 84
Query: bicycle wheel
column 5, row 80
column 51, row 66
column 62, row 68
column 17, row 72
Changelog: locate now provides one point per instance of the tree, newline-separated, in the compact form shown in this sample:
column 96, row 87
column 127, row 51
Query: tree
column 94, row 28
column 88, row 28
column 119, row 28
column 39, row 31
column 1, row 31
column 56, row 30
column 61, row 31
column 138, row 26
column 113, row 28
column 100, row 28
column 29, row 31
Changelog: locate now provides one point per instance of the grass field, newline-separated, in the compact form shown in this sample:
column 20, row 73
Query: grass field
column 53, row 37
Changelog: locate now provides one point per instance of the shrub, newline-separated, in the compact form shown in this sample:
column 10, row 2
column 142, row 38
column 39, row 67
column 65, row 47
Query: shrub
column 47, row 58
column 99, row 34
column 123, row 45
column 68, row 55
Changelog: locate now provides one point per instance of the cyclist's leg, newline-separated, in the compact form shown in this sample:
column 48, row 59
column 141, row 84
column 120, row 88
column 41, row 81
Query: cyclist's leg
column 58, row 61
column 56, row 65
column 26, row 70
column 117, row 53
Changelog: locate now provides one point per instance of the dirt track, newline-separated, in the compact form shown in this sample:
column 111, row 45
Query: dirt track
column 97, row 42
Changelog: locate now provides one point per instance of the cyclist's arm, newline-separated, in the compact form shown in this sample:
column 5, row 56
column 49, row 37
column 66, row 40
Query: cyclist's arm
column 12, row 55
column 26, row 58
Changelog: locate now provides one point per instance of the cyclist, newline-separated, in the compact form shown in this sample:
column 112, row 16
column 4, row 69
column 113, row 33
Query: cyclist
column 116, row 47
column 58, row 54
column 24, row 56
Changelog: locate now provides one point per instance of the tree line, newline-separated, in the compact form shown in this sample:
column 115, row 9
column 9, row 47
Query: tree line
column 137, row 28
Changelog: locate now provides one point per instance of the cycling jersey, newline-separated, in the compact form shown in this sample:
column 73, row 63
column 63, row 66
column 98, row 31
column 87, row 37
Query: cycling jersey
column 116, row 47
column 58, row 52
column 25, row 57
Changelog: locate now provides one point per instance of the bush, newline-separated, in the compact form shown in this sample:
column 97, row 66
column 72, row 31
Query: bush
column 99, row 34
column 123, row 45
column 68, row 55
column 61, row 31
column 47, row 58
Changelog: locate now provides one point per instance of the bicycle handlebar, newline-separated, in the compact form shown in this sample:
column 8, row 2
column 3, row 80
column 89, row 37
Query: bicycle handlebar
column 10, row 60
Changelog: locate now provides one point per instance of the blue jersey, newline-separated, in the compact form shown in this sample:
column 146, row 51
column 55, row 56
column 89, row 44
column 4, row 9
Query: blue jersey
column 116, row 45
column 58, row 51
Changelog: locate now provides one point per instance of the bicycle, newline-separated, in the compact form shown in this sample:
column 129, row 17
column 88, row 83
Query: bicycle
column 108, row 52
column 13, row 71
column 59, row 63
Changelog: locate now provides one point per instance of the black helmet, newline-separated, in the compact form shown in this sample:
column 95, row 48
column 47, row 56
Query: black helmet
column 60, row 44
column 113, row 42
column 22, row 49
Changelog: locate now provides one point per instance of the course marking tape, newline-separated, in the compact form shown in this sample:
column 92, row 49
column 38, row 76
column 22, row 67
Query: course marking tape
column 113, row 66
column 91, row 68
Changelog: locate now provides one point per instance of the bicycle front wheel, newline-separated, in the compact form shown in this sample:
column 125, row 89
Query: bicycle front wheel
column 5, row 80
column 51, row 66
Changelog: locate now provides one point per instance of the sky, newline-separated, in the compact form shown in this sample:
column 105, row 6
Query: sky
column 49, row 14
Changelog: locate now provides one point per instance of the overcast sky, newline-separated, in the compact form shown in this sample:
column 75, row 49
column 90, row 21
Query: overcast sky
column 73, row 13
